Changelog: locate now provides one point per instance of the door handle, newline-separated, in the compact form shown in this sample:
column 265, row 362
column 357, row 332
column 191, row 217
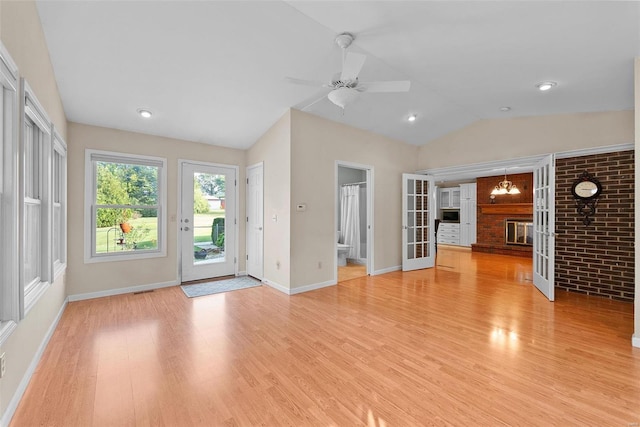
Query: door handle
column 185, row 228
column 259, row 228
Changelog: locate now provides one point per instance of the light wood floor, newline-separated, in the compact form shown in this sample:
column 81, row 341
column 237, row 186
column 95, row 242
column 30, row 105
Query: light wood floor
column 351, row 271
column 470, row 342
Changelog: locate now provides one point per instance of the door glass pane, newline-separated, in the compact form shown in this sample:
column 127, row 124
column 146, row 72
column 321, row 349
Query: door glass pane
column 209, row 215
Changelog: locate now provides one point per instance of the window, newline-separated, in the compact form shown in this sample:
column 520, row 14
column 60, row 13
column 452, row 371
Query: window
column 125, row 206
column 9, row 286
column 59, row 205
column 36, row 200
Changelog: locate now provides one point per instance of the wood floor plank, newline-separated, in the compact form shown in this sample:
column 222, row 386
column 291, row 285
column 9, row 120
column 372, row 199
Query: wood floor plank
column 469, row 342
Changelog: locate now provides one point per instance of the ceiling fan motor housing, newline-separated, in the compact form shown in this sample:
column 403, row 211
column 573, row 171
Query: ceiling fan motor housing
column 344, row 40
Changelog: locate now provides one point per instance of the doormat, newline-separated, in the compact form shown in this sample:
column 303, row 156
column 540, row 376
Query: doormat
column 218, row 286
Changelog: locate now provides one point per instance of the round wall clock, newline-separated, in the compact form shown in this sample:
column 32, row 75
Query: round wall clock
column 586, row 190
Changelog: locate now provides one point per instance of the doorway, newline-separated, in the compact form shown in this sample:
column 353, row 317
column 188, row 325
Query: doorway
column 354, row 236
column 207, row 220
column 542, row 171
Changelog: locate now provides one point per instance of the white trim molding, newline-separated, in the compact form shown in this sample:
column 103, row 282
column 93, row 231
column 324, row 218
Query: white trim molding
column 120, row 291
column 635, row 341
column 387, row 270
column 92, row 157
column 512, row 166
column 276, row 286
column 312, row 287
column 301, row 289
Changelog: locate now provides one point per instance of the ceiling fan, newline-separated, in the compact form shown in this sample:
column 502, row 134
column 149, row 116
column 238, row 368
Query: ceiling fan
column 345, row 87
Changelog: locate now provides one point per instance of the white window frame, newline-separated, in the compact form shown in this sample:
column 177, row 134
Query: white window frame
column 91, row 158
column 9, row 209
column 33, row 111
column 59, row 200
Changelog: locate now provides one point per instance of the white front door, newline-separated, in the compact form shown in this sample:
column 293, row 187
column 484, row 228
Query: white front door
column 544, row 226
column 418, row 222
column 207, row 221
column 255, row 221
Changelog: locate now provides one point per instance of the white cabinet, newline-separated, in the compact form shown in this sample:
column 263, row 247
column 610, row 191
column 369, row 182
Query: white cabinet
column 450, row 198
column 468, row 214
column 449, row 233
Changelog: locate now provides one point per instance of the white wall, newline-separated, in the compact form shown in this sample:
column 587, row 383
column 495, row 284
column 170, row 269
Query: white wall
column 316, row 145
column 108, row 276
column 504, row 139
column 274, row 150
column 21, row 33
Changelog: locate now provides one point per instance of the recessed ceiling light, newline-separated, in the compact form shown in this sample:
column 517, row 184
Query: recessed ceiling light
column 505, row 109
column 545, row 85
column 412, row 118
column 144, row 113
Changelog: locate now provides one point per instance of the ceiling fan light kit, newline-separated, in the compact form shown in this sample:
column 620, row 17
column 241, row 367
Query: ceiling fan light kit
column 343, row 96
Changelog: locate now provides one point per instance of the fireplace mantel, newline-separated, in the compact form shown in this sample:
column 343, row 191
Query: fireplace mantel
column 507, row 209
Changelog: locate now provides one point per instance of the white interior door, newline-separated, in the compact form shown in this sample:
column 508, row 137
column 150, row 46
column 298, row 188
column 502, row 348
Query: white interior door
column 418, row 222
column 255, row 221
column 544, row 226
column 207, row 221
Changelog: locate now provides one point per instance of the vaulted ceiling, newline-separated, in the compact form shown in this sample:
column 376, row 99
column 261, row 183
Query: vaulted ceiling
column 214, row 71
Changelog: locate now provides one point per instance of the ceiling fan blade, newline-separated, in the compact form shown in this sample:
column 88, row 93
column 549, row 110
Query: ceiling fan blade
column 311, row 101
column 352, row 65
column 389, row 86
column 304, row 82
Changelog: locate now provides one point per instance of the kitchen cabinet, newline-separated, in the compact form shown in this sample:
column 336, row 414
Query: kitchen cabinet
column 450, row 198
column 468, row 214
column 449, row 233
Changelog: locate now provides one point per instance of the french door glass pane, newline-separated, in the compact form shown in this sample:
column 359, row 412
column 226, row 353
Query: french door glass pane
column 209, row 216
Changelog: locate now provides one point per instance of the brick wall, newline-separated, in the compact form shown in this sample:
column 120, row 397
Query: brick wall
column 597, row 259
column 490, row 228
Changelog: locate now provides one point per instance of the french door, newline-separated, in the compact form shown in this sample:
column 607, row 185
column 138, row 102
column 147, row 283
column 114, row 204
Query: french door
column 544, row 226
column 207, row 221
column 255, row 221
column 418, row 222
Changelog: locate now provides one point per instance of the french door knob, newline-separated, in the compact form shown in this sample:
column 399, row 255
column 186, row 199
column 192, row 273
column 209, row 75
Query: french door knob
column 186, row 228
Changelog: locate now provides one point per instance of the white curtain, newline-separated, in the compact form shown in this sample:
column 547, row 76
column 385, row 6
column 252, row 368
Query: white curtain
column 350, row 219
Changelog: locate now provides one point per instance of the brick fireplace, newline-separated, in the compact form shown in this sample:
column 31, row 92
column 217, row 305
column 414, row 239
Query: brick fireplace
column 492, row 217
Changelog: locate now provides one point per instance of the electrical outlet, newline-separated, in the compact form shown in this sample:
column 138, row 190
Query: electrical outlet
column 2, row 365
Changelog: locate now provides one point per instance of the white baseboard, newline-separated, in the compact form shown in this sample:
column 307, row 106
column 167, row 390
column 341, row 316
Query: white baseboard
column 312, row 287
column 276, row 286
column 300, row 289
column 120, row 291
column 635, row 341
column 241, row 273
column 387, row 270
column 22, row 387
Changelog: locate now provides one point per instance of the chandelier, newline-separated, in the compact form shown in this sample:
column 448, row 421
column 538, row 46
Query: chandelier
column 505, row 187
